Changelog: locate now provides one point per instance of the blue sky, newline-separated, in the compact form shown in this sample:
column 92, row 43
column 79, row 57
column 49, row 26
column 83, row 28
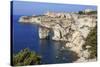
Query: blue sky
column 37, row 8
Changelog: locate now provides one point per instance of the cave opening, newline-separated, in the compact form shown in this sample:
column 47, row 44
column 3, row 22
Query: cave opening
column 50, row 34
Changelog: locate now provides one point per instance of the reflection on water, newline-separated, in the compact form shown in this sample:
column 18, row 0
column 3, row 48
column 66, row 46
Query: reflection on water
column 55, row 52
column 26, row 36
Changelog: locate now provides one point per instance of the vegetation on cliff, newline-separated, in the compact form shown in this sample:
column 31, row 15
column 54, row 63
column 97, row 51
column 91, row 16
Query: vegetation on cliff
column 91, row 40
column 91, row 12
column 26, row 57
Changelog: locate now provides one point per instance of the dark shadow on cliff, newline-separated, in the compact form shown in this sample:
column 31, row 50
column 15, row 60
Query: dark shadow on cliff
column 50, row 34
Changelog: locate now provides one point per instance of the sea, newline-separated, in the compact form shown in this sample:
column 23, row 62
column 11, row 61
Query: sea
column 27, row 36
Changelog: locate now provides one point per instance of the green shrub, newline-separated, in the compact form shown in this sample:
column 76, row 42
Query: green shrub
column 26, row 57
column 89, row 13
column 92, row 12
column 91, row 40
column 81, row 12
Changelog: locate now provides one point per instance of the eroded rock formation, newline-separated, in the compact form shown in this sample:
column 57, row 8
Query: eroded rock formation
column 70, row 27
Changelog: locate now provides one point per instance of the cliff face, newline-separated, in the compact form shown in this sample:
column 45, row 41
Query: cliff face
column 63, row 26
column 70, row 27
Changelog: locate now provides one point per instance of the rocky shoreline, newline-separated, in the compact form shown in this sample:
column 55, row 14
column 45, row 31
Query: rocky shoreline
column 70, row 27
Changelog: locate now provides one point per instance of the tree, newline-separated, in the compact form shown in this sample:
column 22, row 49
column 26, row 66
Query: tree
column 26, row 57
column 80, row 12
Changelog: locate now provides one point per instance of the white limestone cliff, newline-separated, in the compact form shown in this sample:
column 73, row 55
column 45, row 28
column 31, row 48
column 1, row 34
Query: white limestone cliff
column 70, row 27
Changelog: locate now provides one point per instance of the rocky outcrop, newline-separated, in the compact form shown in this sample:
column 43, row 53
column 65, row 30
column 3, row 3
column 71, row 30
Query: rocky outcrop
column 70, row 27
column 43, row 33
